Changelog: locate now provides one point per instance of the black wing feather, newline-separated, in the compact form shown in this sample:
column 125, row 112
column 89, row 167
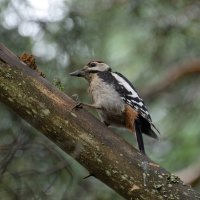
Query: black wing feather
column 130, row 96
column 137, row 103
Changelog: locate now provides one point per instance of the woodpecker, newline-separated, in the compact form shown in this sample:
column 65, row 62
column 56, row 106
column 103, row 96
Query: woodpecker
column 117, row 101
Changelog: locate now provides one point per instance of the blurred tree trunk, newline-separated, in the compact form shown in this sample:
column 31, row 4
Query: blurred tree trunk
column 107, row 156
column 191, row 174
column 173, row 75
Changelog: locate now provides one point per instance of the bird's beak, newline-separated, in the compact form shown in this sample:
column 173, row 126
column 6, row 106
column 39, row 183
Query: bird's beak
column 79, row 73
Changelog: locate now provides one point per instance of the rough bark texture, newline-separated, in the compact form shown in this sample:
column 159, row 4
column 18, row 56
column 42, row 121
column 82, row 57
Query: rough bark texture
column 96, row 147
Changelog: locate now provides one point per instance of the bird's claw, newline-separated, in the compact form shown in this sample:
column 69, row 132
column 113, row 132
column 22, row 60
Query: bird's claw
column 75, row 97
column 77, row 106
column 88, row 176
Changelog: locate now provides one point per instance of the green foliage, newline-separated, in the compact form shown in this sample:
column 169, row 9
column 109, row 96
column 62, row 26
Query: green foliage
column 58, row 84
column 142, row 40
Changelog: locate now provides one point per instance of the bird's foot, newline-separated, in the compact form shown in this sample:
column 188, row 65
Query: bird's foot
column 106, row 123
column 77, row 106
column 88, row 176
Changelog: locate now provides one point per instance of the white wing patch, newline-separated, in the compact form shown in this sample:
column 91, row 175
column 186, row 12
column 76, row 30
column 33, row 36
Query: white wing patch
column 122, row 82
column 131, row 97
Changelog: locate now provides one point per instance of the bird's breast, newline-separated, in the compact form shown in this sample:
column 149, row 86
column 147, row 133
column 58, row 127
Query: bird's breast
column 106, row 97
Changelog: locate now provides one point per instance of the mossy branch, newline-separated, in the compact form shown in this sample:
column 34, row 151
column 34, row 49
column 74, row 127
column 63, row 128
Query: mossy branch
column 107, row 156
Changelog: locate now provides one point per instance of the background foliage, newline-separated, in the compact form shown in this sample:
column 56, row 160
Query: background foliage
column 141, row 39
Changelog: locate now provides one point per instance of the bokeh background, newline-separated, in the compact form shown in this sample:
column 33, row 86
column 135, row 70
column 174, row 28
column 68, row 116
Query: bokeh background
column 156, row 44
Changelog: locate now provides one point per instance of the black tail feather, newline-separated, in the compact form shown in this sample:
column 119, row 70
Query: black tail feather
column 148, row 128
column 139, row 136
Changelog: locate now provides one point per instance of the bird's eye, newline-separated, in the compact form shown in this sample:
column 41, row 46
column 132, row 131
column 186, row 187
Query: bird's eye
column 92, row 64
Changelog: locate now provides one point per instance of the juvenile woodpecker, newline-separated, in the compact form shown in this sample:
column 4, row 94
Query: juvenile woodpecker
column 117, row 101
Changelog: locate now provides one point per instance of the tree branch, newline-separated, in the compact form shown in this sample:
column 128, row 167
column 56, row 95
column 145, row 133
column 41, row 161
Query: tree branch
column 174, row 75
column 97, row 148
column 191, row 174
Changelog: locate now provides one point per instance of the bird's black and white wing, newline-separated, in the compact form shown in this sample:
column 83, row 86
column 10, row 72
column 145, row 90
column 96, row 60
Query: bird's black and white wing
column 131, row 97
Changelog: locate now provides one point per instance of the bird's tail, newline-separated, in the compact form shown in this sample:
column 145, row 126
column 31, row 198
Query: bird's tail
column 139, row 136
column 148, row 128
column 153, row 132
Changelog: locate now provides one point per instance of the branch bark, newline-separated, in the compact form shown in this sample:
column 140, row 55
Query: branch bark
column 108, row 157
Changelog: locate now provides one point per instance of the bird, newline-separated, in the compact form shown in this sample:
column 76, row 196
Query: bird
column 117, row 101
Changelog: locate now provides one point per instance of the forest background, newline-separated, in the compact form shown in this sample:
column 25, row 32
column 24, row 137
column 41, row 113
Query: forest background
column 155, row 44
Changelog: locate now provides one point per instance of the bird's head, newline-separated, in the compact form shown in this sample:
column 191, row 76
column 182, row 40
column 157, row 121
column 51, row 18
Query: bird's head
column 91, row 68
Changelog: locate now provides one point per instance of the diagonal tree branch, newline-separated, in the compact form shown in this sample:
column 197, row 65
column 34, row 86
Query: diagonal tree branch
column 173, row 75
column 107, row 156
